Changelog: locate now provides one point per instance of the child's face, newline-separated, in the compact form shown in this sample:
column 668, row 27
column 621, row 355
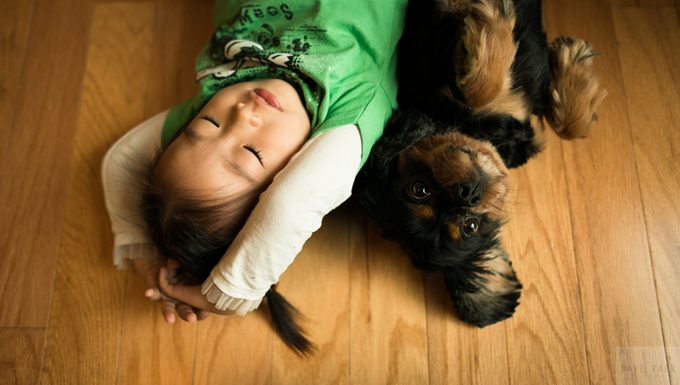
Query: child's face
column 241, row 138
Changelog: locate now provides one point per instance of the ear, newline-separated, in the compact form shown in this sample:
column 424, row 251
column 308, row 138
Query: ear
column 489, row 293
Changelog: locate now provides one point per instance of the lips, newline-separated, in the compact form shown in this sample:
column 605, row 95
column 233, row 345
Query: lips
column 268, row 97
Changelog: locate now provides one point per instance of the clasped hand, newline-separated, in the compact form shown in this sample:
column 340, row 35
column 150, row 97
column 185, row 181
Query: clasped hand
column 187, row 301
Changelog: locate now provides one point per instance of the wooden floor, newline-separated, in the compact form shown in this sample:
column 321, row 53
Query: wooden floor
column 595, row 230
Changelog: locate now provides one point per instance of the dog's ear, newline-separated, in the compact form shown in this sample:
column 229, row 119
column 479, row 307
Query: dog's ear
column 488, row 295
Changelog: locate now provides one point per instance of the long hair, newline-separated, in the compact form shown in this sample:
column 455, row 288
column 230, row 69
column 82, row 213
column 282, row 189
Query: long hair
column 194, row 230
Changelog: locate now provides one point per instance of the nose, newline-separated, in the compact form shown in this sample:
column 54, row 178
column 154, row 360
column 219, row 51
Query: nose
column 247, row 117
column 468, row 193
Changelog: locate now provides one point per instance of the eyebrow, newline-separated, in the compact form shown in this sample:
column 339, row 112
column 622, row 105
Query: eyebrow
column 239, row 170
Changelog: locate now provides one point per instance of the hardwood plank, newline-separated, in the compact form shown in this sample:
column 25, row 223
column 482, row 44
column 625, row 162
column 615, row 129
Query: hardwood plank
column 616, row 281
column 388, row 318
column 182, row 27
column 318, row 284
column 15, row 21
column 20, row 354
column 459, row 353
column 85, row 325
column 151, row 351
column 547, row 328
column 34, row 169
column 649, row 46
column 234, row 350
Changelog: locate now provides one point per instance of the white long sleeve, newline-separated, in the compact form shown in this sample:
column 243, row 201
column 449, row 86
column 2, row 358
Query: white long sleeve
column 315, row 181
column 122, row 169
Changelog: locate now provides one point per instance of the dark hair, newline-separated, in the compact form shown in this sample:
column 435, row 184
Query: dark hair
column 195, row 231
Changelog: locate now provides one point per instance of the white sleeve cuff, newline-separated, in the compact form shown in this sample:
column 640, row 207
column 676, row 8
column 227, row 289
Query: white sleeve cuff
column 223, row 301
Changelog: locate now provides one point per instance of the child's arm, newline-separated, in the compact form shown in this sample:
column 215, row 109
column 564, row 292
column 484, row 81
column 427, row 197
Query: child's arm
column 315, row 181
column 123, row 171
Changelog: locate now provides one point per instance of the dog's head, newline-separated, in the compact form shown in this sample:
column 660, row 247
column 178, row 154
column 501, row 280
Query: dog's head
column 453, row 190
column 442, row 198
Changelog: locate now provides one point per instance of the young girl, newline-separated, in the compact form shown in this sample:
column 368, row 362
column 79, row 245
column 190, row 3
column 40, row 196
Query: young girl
column 292, row 95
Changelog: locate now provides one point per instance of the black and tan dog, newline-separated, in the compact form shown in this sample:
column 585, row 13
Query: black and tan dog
column 477, row 80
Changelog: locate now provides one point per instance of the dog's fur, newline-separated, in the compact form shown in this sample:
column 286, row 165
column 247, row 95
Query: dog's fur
column 477, row 79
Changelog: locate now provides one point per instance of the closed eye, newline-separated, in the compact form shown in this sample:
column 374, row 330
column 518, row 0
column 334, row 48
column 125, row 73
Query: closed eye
column 255, row 151
column 210, row 119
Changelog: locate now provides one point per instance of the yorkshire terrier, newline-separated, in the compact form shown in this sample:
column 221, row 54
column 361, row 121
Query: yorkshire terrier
column 477, row 80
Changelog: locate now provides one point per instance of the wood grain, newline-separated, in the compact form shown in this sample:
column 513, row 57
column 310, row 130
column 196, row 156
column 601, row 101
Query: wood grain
column 20, row 355
column 234, row 350
column 643, row 3
column 388, row 313
column 318, row 284
column 152, row 351
column 15, row 17
column 181, row 28
column 85, row 326
column 616, row 281
column 547, row 327
column 34, row 168
column 459, row 353
column 649, row 48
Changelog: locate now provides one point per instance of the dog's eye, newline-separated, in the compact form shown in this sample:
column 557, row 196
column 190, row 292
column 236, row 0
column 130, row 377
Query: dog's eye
column 470, row 225
column 419, row 190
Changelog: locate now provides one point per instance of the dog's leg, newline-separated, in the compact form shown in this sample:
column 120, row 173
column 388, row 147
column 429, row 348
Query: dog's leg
column 484, row 59
column 490, row 295
column 576, row 91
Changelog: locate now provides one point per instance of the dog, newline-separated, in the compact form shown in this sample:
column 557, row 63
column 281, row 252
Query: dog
column 477, row 81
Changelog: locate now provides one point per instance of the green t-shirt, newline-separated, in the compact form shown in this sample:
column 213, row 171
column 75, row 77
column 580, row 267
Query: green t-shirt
column 339, row 55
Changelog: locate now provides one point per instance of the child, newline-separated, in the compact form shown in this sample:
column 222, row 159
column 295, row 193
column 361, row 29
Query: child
column 292, row 97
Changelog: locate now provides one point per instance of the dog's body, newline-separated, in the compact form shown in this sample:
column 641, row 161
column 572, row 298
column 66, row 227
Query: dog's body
column 476, row 82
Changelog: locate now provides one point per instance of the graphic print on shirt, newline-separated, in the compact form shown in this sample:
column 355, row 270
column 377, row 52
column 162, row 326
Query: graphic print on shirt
column 252, row 42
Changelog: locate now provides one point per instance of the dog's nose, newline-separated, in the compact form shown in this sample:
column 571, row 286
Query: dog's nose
column 469, row 193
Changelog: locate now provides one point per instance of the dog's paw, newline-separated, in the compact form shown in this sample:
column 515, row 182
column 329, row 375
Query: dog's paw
column 485, row 54
column 576, row 92
column 486, row 308
column 491, row 295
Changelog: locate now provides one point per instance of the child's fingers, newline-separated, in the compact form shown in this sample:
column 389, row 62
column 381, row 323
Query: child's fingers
column 153, row 294
column 186, row 312
column 202, row 314
column 168, row 310
column 163, row 279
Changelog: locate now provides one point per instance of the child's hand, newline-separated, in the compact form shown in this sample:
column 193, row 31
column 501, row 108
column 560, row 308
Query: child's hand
column 148, row 268
column 189, row 295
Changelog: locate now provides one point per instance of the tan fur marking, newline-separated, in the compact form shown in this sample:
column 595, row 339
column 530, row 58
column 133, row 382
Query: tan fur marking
column 424, row 211
column 576, row 91
column 454, row 231
column 499, row 269
column 486, row 78
column 508, row 102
